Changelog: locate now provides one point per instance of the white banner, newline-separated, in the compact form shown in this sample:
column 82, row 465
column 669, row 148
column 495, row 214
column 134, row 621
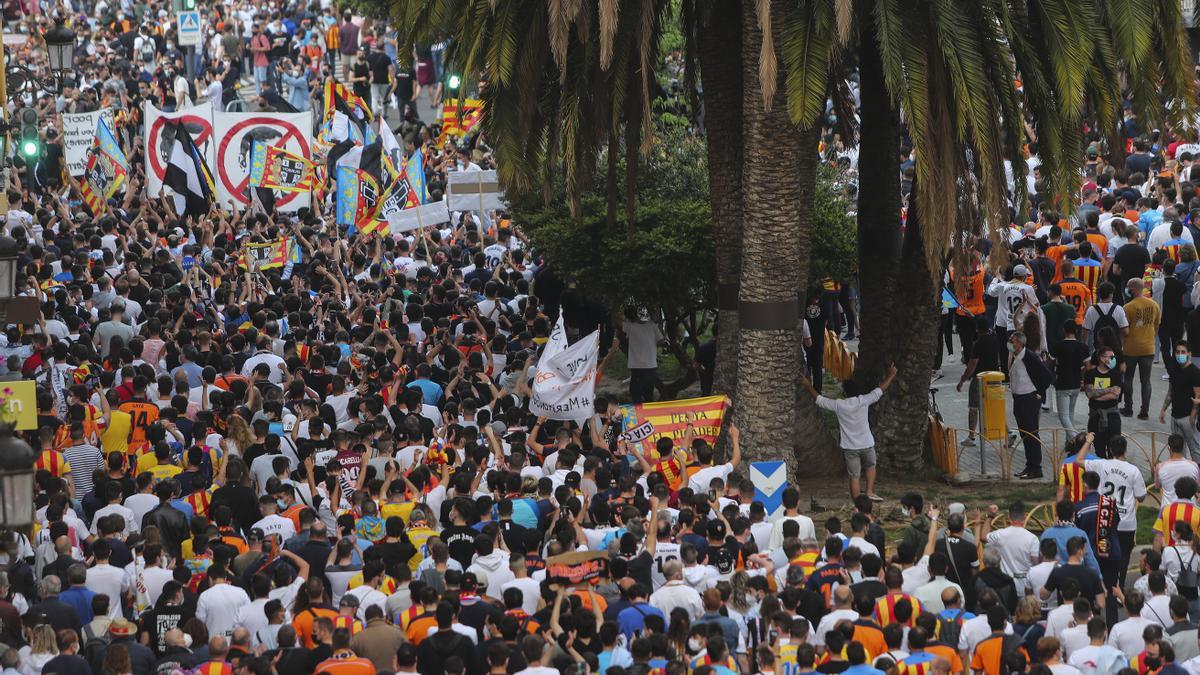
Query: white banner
column 159, row 137
column 565, row 385
column 433, row 213
column 473, row 191
column 236, row 134
column 79, row 130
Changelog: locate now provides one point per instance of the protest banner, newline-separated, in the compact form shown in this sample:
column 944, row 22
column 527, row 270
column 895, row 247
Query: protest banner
column 266, row 256
column 577, row 567
column 639, row 433
column 473, row 191
column 670, row 418
column 565, row 385
column 160, row 137
column 236, row 134
column 79, row 130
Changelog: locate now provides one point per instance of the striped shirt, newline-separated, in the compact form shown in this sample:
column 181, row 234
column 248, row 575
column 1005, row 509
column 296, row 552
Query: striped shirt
column 54, row 462
column 919, row 663
column 885, row 609
column 1171, row 514
column 84, row 459
column 1070, row 476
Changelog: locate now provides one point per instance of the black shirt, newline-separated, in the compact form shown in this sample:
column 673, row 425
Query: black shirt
column 362, row 88
column 1182, row 381
column 380, row 66
column 460, row 539
column 1172, row 302
column 67, row 664
column 1090, row 584
column 157, row 622
column 964, row 559
column 1132, row 261
column 1069, row 356
column 405, row 79
column 1094, row 378
column 984, row 349
column 244, row 503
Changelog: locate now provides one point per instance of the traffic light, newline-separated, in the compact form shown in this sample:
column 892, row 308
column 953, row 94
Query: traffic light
column 453, row 82
column 29, row 143
column 184, row 6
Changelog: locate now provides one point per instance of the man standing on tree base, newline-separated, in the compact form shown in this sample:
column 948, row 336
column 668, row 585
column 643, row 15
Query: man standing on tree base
column 856, row 442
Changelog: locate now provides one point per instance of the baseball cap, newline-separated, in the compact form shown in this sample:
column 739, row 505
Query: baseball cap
column 257, row 534
column 349, row 600
column 1020, row 271
column 956, row 507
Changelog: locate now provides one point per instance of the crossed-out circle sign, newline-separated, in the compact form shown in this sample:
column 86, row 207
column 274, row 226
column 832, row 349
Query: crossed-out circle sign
column 233, row 152
column 157, row 163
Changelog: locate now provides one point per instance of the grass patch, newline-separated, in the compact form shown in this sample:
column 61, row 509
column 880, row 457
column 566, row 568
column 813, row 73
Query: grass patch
column 1146, row 515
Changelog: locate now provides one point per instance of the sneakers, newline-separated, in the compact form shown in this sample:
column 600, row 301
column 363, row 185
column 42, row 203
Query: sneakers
column 1126, row 412
column 874, row 497
column 969, row 443
column 1143, row 415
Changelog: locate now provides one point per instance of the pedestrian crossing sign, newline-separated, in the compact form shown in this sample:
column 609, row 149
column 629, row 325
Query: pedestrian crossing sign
column 189, row 28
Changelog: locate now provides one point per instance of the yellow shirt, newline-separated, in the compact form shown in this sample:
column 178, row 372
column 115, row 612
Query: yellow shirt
column 418, row 536
column 164, row 471
column 1144, row 317
column 404, row 510
column 116, row 434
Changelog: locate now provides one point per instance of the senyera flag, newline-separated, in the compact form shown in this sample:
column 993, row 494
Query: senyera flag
column 670, row 418
column 459, row 117
column 106, row 169
column 277, row 169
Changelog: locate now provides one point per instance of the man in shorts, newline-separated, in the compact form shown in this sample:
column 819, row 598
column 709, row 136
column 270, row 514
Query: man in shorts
column 857, row 442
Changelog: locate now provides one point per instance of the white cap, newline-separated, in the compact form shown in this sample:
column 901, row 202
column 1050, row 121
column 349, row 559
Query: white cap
column 956, row 507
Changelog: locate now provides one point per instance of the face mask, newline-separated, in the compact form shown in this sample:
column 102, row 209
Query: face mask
column 694, row 645
column 1153, row 662
column 281, row 504
column 1112, row 362
column 170, row 45
column 1182, row 358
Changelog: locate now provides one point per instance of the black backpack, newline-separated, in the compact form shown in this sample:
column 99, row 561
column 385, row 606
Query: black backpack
column 950, row 629
column 1106, row 320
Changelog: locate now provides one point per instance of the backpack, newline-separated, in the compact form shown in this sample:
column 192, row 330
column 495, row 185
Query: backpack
column 949, row 630
column 1106, row 320
column 93, row 650
column 1187, row 580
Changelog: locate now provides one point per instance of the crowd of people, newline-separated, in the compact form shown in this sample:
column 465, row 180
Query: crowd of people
column 331, row 466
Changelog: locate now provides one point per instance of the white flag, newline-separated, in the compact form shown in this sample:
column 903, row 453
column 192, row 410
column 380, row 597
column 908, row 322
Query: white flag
column 565, row 385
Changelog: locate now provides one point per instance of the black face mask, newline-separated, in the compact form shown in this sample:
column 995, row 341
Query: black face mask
column 1153, row 662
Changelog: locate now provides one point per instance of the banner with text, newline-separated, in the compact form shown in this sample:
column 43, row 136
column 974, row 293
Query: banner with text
column 79, row 130
column 565, row 385
column 670, row 418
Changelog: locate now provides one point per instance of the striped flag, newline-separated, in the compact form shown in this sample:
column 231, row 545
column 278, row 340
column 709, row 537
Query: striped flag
column 358, row 197
column 670, row 418
column 459, row 117
column 277, row 169
column 189, row 176
column 106, row 169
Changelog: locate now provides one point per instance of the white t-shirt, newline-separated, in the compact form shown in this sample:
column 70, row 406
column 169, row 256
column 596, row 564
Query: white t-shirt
column 863, row 545
column 1058, row 620
column 218, row 606
column 974, row 631
column 276, row 524
column 1018, row 549
column 1073, row 639
column 1035, row 581
column 108, row 580
column 1093, row 315
column 807, row 529
column 829, row 621
column 1127, row 635
column 1171, row 471
column 700, row 480
column 1123, row 482
column 853, row 423
column 664, row 551
column 530, row 592
column 1064, row 669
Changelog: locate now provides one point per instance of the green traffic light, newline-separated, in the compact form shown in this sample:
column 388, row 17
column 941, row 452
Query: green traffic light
column 29, row 148
column 454, row 81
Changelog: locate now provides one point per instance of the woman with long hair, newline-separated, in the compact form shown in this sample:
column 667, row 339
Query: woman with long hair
column 43, row 646
column 677, row 632
column 1181, row 564
column 238, row 436
column 1027, row 622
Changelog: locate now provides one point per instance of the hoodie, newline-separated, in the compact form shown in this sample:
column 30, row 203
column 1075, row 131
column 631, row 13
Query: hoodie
column 494, row 568
column 435, row 649
column 916, row 534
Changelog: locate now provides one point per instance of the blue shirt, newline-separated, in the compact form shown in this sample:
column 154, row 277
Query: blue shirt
column 1061, row 533
column 633, row 618
column 81, row 600
column 431, row 391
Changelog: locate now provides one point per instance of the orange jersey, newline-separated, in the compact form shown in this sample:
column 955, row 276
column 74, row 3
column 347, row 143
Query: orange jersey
column 419, row 627
column 672, row 470
column 870, row 636
column 969, row 293
column 141, row 416
column 214, row 668
column 1057, row 253
column 1078, row 295
column 946, row 652
column 885, row 609
column 1099, row 243
column 989, row 655
column 346, row 663
column 303, row 623
column 1174, row 513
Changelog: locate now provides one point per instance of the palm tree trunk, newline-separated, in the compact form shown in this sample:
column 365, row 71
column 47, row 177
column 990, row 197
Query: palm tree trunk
column 777, row 160
column 901, row 417
column 720, row 58
column 879, row 233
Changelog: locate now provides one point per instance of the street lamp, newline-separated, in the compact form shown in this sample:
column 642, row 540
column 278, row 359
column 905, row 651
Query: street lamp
column 60, row 48
column 16, row 481
column 8, row 266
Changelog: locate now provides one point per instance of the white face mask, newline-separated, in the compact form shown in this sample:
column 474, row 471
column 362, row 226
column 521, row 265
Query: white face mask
column 694, row 645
